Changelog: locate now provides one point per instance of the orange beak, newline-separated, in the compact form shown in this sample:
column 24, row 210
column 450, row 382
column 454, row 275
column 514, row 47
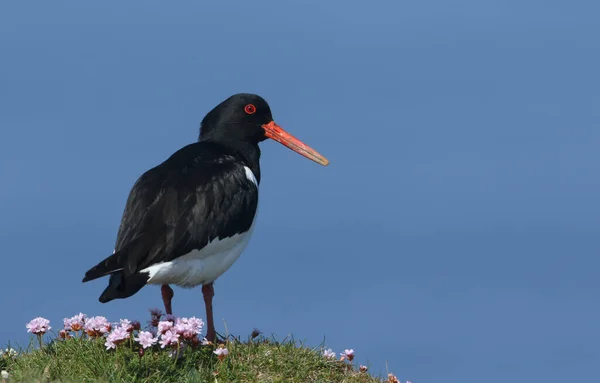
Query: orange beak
column 275, row 132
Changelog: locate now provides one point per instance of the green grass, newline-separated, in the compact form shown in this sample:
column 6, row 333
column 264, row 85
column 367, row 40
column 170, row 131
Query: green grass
column 256, row 360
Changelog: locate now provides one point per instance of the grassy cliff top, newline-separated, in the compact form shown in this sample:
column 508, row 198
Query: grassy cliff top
column 259, row 360
column 169, row 349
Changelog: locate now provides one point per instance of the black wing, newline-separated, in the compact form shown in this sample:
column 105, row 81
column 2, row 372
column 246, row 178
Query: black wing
column 195, row 196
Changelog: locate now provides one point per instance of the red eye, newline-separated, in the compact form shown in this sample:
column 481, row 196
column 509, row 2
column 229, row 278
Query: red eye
column 250, row 109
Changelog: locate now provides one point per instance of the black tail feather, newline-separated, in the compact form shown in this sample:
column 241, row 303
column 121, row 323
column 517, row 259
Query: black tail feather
column 119, row 260
column 120, row 286
column 109, row 265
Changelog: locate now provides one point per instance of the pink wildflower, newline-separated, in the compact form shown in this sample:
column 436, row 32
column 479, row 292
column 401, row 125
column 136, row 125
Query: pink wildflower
column 348, row 354
column 146, row 339
column 188, row 328
column 363, row 368
column 164, row 326
column 126, row 325
column 97, row 326
column 38, row 326
column 392, row 378
column 75, row 323
column 329, row 354
column 110, row 343
column 181, row 329
column 117, row 336
column 169, row 338
column 196, row 323
column 221, row 352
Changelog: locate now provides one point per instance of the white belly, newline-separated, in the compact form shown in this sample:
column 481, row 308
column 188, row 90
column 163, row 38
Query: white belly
column 200, row 266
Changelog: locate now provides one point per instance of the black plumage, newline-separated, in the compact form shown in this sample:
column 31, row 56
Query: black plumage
column 199, row 194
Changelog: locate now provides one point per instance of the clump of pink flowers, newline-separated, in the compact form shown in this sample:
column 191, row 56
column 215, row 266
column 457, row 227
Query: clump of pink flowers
column 75, row 323
column 118, row 335
column 146, row 339
column 175, row 333
column 38, row 326
column 173, row 330
column 169, row 338
column 96, row 327
column 188, row 328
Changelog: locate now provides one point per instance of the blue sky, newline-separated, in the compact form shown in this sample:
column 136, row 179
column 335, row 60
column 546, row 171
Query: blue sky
column 454, row 235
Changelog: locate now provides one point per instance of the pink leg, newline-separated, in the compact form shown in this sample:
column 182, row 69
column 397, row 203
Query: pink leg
column 209, row 292
column 167, row 295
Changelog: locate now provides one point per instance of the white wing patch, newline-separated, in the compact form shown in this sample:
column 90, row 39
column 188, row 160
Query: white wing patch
column 250, row 175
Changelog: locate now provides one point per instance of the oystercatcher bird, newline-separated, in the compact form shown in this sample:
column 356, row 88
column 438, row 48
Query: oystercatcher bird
column 187, row 220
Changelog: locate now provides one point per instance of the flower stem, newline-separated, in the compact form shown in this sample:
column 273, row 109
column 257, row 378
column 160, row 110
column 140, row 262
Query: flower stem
column 177, row 354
